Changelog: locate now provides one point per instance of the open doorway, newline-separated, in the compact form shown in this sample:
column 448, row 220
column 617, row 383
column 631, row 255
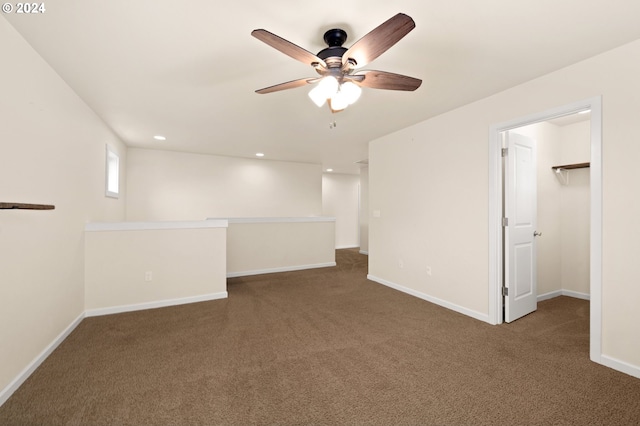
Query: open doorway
column 595, row 221
column 546, row 201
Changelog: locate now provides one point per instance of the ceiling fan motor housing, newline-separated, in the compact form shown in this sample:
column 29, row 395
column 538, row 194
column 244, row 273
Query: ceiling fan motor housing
column 334, row 38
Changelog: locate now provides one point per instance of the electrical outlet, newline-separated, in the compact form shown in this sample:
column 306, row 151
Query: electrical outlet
column 429, row 270
column 148, row 276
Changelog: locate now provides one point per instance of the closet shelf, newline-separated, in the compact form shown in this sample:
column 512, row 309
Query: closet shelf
column 25, row 206
column 572, row 166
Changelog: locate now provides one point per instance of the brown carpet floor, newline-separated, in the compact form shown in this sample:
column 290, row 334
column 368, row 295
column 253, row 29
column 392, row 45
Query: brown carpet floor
column 325, row 346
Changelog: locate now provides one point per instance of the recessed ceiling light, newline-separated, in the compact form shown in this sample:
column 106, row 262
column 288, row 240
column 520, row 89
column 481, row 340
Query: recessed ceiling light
column 259, row 154
column 329, row 170
column 160, row 138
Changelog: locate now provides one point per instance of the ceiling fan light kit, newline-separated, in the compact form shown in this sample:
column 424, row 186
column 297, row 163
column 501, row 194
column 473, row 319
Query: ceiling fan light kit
column 340, row 95
column 340, row 85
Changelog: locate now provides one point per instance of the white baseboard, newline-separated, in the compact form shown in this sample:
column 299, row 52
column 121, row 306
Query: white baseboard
column 577, row 295
column 364, row 252
column 346, row 247
column 153, row 305
column 29, row 369
column 550, row 295
column 568, row 293
column 616, row 364
column 434, row 300
column 280, row 269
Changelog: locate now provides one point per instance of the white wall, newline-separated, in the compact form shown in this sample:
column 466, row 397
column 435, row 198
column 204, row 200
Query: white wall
column 340, row 200
column 52, row 151
column 166, row 185
column 153, row 264
column 259, row 246
column 430, row 184
column 575, row 209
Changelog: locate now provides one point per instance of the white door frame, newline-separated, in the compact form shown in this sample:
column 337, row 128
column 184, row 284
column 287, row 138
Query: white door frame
column 495, row 213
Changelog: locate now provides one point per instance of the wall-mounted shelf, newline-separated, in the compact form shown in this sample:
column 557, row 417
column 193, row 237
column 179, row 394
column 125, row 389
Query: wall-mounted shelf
column 25, row 206
column 572, row 166
column 562, row 172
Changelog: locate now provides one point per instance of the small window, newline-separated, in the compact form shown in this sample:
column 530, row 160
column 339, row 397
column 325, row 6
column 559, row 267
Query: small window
column 112, row 174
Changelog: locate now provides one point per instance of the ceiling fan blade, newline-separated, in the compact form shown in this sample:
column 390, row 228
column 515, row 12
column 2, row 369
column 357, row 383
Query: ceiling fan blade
column 386, row 80
column 379, row 40
column 288, row 85
column 288, row 48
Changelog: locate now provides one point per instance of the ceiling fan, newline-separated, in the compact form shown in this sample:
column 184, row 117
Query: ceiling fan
column 340, row 83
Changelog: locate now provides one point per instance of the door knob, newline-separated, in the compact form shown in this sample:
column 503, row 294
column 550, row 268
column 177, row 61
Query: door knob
column 537, row 234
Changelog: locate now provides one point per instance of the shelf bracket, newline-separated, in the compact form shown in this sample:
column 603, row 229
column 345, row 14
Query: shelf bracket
column 562, row 175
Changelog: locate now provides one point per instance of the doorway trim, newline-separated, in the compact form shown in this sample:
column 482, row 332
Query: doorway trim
column 495, row 213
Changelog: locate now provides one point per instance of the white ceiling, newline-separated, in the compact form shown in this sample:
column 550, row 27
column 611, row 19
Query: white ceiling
column 188, row 70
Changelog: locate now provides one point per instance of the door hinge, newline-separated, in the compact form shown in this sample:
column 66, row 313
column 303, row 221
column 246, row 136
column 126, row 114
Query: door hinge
column 505, row 152
column 505, row 291
column 505, row 221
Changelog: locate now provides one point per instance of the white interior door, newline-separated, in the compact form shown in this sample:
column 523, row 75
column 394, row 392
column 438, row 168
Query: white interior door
column 520, row 211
